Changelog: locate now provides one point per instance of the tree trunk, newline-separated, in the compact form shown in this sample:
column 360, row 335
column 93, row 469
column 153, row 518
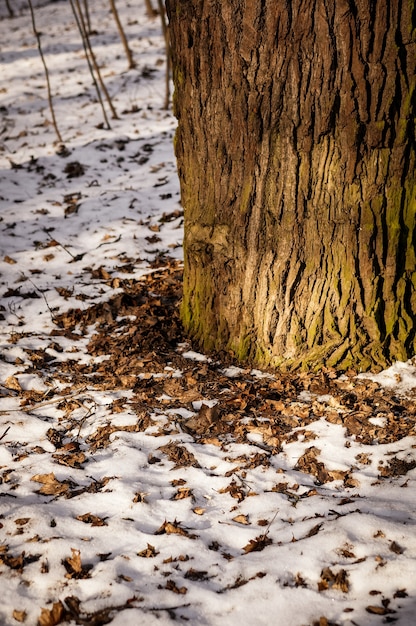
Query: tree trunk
column 296, row 156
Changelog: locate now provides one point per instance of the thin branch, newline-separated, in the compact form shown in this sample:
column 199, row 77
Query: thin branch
column 5, row 433
column 94, row 61
column 168, row 59
column 9, row 8
column 87, row 16
column 122, row 34
column 83, row 38
column 43, row 296
column 37, row 35
column 150, row 11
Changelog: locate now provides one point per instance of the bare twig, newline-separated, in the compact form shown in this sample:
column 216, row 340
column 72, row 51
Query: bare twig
column 43, row 296
column 56, row 400
column 167, row 45
column 9, row 8
column 94, row 61
column 77, row 257
column 37, row 35
column 122, row 34
column 87, row 15
column 150, row 11
column 84, row 37
column 5, row 433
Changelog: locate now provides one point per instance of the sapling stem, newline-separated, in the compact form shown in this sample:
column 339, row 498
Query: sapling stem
column 48, row 84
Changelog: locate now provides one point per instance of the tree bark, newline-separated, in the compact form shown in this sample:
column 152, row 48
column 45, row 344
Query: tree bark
column 296, row 157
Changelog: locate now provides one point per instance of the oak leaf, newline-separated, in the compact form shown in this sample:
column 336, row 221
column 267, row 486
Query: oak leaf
column 258, row 544
column 51, row 486
column 148, row 552
column 53, row 616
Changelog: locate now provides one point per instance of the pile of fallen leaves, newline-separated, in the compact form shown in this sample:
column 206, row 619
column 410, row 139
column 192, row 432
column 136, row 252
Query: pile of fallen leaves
column 139, row 336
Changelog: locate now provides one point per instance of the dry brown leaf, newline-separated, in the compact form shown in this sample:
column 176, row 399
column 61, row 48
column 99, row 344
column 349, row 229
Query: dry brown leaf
column 234, row 490
column 313, row 531
column 75, row 561
column 258, row 544
column 396, row 548
column 266, row 431
column 309, row 464
column 148, row 552
column 17, row 562
column 171, row 586
column 378, row 610
column 193, row 574
column 12, row 383
column 75, row 459
column 198, row 510
column 94, row 520
column 51, row 486
column 203, row 422
column 331, row 580
column 173, row 528
column 396, row 467
column 241, row 519
column 53, row 616
column 183, row 492
column 19, row 616
column 179, row 455
column 74, row 566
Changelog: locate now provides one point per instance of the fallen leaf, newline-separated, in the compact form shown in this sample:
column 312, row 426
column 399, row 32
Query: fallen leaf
column 148, row 552
column 199, row 510
column 70, row 460
column 51, row 486
column 179, row 455
column 173, row 528
column 183, row 492
column 396, row 548
column 12, row 383
column 74, row 566
column 378, row 610
column 193, row 574
column 258, row 544
column 19, row 616
column 331, row 580
column 313, row 531
column 202, row 423
column 53, row 616
column 18, row 562
column 171, row 586
column 241, row 519
column 94, row 520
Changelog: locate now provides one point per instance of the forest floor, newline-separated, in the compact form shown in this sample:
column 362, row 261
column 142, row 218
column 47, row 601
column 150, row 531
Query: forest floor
column 142, row 482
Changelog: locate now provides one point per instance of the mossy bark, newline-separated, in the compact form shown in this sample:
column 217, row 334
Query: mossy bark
column 296, row 156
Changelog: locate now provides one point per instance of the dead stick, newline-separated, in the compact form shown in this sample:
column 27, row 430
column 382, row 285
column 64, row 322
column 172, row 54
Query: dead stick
column 94, row 61
column 37, row 35
column 122, row 34
column 94, row 80
column 167, row 45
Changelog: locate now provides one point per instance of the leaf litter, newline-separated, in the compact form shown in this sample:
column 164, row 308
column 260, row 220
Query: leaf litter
column 134, row 471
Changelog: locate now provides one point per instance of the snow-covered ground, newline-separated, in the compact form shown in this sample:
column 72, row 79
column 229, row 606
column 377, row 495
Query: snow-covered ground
column 140, row 481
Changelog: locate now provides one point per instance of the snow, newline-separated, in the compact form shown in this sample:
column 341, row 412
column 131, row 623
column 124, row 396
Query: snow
column 237, row 533
column 400, row 376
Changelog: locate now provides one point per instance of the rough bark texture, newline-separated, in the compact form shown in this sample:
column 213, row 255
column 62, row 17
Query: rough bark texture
column 296, row 156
